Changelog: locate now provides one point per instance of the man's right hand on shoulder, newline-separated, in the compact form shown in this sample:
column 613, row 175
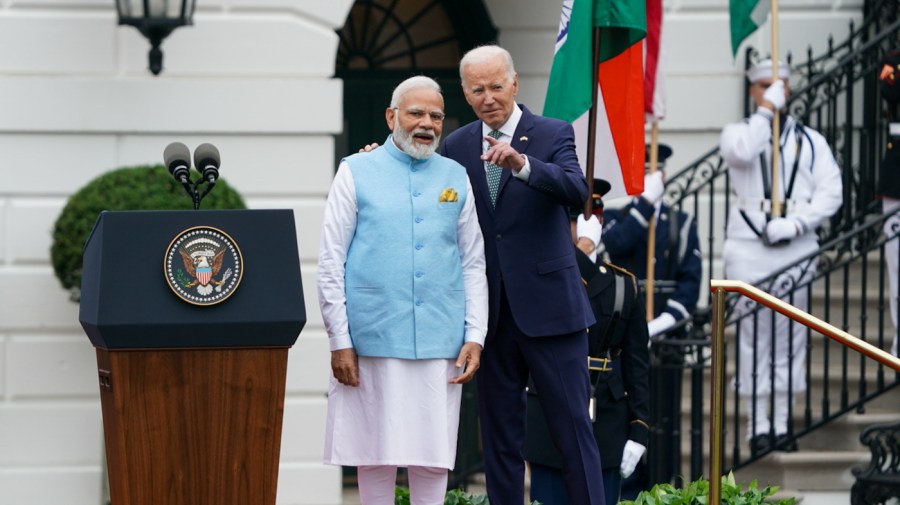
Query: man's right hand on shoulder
column 345, row 366
column 368, row 147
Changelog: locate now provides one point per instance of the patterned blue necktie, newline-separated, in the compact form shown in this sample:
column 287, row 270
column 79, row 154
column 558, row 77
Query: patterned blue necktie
column 493, row 173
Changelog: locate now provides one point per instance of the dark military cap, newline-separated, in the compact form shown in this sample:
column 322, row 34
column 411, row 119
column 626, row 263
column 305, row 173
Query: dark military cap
column 601, row 187
column 663, row 153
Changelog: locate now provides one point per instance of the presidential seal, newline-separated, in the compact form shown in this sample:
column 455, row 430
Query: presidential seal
column 203, row 265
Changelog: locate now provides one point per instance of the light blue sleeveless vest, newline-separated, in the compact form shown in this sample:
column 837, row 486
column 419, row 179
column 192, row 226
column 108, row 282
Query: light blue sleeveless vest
column 405, row 293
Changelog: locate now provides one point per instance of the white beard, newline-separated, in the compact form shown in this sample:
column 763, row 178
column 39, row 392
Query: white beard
column 404, row 140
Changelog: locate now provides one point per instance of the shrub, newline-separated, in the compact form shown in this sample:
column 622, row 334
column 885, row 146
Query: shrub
column 697, row 493
column 128, row 188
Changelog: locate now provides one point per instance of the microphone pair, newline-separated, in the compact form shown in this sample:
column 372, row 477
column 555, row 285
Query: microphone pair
column 177, row 158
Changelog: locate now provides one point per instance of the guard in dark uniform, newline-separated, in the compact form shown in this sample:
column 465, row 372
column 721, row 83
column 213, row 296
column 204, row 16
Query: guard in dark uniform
column 676, row 288
column 677, row 268
column 619, row 366
column 889, row 175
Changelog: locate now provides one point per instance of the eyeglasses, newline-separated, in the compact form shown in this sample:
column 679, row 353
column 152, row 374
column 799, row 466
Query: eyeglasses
column 417, row 114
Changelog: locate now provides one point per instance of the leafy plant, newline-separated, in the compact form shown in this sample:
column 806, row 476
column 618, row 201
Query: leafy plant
column 697, row 493
column 128, row 188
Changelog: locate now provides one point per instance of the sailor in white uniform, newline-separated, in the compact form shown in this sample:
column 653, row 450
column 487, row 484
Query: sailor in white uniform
column 759, row 243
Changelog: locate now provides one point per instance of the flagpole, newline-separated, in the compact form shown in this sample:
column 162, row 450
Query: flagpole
column 592, row 124
column 776, row 120
column 651, row 227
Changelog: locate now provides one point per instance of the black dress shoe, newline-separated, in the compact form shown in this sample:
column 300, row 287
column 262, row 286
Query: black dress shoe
column 785, row 443
column 760, row 444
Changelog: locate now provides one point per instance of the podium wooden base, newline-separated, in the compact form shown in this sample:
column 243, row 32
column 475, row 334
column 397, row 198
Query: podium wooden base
column 192, row 427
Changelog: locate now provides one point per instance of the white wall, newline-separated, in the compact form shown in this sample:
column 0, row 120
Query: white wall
column 251, row 76
column 254, row 78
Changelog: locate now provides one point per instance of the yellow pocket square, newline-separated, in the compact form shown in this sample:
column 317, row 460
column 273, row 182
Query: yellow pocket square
column 449, row 195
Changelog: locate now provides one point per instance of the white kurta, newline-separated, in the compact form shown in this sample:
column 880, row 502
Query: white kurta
column 404, row 412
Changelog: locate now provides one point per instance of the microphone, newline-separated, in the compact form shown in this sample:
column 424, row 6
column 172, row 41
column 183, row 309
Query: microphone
column 177, row 157
column 207, row 161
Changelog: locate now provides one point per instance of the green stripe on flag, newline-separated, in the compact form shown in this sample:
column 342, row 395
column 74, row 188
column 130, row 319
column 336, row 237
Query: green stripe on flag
column 622, row 23
column 571, row 86
column 746, row 16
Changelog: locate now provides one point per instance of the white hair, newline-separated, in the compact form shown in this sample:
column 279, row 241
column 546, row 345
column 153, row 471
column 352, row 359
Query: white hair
column 484, row 54
column 416, row 82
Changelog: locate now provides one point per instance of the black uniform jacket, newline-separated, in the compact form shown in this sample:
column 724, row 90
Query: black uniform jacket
column 622, row 396
column 889, row 83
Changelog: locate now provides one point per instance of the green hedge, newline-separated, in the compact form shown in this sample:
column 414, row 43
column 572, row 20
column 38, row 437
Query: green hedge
column 128, row 188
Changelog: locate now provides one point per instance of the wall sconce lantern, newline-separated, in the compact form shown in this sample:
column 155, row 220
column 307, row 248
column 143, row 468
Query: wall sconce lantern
column 156, row 19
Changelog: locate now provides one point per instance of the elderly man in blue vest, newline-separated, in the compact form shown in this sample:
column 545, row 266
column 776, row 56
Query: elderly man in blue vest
column 403, row 294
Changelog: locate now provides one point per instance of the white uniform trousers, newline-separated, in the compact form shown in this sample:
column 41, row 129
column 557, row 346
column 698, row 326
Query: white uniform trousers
column 891, row 252
column 782, row 351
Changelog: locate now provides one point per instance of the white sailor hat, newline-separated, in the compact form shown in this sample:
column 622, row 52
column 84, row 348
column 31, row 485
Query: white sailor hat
column 763, row 70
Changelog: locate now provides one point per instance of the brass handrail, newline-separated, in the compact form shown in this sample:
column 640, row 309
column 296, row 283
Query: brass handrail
column 717, row 389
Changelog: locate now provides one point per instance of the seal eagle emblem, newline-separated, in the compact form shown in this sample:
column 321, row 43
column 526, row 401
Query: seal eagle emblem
column 203, row 265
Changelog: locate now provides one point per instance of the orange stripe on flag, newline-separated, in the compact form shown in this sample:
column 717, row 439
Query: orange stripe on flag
column 621, row 80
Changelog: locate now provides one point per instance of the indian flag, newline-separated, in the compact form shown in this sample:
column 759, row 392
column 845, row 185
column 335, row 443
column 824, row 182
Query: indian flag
column 619, row 148
column 746, row 16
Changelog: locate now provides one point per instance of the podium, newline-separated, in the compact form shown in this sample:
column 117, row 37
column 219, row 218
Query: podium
column 192, row 368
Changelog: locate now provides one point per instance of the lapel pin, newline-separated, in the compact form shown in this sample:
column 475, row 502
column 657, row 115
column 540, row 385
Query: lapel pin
column 523, row 138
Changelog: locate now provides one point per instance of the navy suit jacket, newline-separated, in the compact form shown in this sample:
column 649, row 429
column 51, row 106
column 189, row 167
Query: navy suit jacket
column 527, row 239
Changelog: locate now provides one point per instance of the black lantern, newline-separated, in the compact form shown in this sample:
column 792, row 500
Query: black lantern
column 156, row 19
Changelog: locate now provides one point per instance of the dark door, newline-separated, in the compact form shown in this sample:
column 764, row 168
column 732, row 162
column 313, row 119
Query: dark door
column 385, row 41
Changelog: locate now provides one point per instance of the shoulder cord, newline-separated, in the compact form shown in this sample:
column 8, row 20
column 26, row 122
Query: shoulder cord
column 672, row 258
column 767, row 186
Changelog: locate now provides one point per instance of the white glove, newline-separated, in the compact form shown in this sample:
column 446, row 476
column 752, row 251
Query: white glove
column 780, row 229
column 775, row 94
column 630, row 457
column 660, row 324
column 589, row 228
column 653, row 187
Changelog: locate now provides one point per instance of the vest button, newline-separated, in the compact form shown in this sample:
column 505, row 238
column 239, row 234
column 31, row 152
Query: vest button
column 419, row 303
column 419, row 274
column 418, row 219
column 419, row 247
column 416, row 193
column 499, row 237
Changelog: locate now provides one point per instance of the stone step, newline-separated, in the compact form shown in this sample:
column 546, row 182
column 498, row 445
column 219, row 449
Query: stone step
column 825, row 456
column 841, row 434
column 812, row 470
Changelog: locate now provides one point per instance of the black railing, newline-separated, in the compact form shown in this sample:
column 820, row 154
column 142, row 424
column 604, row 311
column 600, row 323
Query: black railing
column 844, row 282
column 837, row 94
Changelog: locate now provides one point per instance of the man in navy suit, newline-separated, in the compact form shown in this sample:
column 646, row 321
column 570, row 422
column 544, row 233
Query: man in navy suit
column 525, row 175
